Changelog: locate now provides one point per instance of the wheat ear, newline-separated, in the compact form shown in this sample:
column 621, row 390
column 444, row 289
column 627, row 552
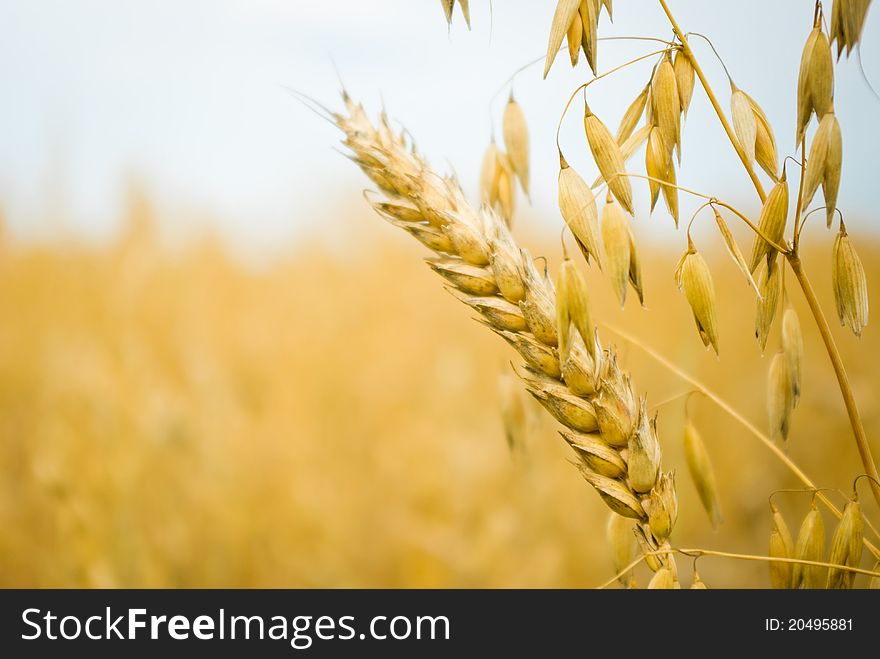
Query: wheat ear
column 576, row 380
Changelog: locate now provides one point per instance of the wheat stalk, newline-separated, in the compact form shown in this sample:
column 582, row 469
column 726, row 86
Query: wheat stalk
column 577, row 381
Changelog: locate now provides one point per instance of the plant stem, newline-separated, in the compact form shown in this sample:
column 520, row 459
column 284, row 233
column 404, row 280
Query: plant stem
column 795, row 262
column 842, row 378
column 714, row 100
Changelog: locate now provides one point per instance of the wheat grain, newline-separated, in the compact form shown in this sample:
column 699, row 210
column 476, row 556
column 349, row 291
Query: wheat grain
column 599, row 423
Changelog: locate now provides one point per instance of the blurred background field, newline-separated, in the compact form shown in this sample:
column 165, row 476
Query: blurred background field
column 170, row 416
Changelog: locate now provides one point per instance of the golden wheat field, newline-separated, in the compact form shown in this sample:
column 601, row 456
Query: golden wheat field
column 173, row 417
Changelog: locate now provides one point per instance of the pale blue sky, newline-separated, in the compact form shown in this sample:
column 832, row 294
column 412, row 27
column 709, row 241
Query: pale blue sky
column 189, row 95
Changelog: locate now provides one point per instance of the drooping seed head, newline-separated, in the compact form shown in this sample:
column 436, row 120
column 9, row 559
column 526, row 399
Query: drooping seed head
column 815, row 81
column 793, row 348
column 578, row 208
column 771, row 222
column 658, row 161
column 780, row 402
column 631, row 117
column 566, row 11
column 733, row 249
column 693, row 277
column 846, row 546
column 745, row 125
column 684, row 78
column 765, row 142
column 516, row 139
column 589, row 14
column 847, row 21
column 667, row 104
column 849, row 283
column 824, row 164
column 698, row 583
column 770, row 289
column 609, row 159
column 702, row 473
column 616, row 244
column 574, row 37
column 780, row 547
column 810, row 547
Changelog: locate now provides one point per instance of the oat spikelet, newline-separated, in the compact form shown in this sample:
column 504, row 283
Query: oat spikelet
column 684, row 78
column 465, row 11
column 693, row 277
column 574, row 36
column 578, row 208
column 779, row 397
column 489, row 174
column 849, row 283
column 622, row 541
column 667, row 104
column 815, row 80
column 846, row 546
column 770, row 288
column 847, row 21
column 824, row 164
column 516, row 139
column 658, row 160
column 698, row 583
column 702, row 473
column 447, row 9
column 670, row 193
column 635, row 269
column 733, row 249
column 810, row 547
column 793, row 347
column 496, row 182
column 631, row 117
column 781, row 546
column 765, row 142
column 771, row 222
column 566, row 11
column 609, row 159
column 589, row 15
column 745, row 125
column 616, row 245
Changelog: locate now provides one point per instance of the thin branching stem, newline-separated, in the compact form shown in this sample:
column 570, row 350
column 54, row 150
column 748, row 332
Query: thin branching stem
column 714, row 101
column 736, row 415
column 784, row 249
column 717, row 56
